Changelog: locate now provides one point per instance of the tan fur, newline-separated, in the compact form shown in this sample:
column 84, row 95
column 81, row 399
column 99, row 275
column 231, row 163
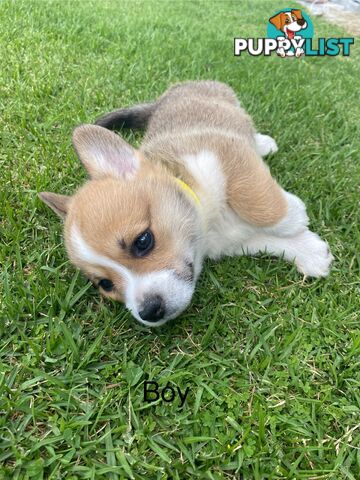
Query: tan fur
column 119, row 222
column 186, row 122
column 58, row 203
column 121, row 212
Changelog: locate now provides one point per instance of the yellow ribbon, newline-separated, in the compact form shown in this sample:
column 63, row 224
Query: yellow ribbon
column 188, row 190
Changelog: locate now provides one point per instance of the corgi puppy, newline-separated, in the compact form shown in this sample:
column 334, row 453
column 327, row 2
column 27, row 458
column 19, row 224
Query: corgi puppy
column 197, row 187
column 289, row 23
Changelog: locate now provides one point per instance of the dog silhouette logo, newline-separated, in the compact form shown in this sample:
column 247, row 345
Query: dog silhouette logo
column 290, row 27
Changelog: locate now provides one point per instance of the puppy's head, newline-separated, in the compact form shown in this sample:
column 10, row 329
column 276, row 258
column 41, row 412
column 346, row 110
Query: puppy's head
column 289, row 22
column 131, row 228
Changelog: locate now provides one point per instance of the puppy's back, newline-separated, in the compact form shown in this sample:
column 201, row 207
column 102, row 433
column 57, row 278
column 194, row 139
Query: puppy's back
column 198, row 106
column 207, row 89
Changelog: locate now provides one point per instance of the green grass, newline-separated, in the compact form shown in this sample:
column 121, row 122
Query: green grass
column 272, row 362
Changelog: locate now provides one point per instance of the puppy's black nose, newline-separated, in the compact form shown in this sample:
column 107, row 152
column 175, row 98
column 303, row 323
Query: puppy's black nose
column 300, row 21
column 153, row 309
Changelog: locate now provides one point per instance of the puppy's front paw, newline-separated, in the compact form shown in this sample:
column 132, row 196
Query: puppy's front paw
column 315, row 257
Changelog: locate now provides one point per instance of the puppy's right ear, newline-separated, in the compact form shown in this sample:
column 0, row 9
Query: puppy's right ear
column 58, row 203
column 276, row 20
column 104, row 153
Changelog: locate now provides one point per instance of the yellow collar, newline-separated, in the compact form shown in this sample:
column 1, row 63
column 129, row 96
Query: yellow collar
column 188, row 190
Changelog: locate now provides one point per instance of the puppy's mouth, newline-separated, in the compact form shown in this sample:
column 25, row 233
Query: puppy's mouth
column 158, row 320
column 156, row 311
column 296, row 27
column 157, row 323
column 158, row 297
column 290, row 34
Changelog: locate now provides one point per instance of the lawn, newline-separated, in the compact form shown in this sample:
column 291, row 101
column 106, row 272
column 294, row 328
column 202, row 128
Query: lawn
column 272, row 362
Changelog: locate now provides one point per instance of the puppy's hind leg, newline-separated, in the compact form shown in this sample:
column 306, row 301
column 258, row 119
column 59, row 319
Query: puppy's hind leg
column 294, row 222
column 277, row 219
column 292, row 239
column 265, row 144
column 310, row 254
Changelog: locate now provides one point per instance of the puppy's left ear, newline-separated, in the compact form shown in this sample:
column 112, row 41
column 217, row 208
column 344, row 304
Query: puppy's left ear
column 104, row 153
column 297, row 13
column 58, row 203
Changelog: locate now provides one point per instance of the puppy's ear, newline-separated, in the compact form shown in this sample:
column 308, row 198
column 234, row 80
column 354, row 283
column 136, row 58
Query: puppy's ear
column 58, row 203
column 297, row 13
column 277, row 20
column 104, row 153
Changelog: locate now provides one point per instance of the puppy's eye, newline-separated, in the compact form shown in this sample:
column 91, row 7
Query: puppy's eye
column 143, row 244
column 287, row 21
column 106, row 284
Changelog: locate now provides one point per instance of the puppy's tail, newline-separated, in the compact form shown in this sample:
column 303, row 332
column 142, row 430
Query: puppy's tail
column 135, row 117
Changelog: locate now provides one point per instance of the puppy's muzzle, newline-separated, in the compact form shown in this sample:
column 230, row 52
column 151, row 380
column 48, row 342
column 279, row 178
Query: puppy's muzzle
column 153, row 309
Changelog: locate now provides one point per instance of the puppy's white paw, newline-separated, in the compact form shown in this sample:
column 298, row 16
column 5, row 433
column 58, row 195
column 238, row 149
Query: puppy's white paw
column 265, row 144
column 314, row 258
column 296, row 220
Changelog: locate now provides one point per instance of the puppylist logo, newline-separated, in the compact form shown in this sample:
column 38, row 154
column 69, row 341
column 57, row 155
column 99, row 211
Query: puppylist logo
column 290, row 34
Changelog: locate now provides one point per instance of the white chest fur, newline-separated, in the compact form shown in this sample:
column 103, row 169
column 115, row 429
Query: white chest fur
column 225, row 231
